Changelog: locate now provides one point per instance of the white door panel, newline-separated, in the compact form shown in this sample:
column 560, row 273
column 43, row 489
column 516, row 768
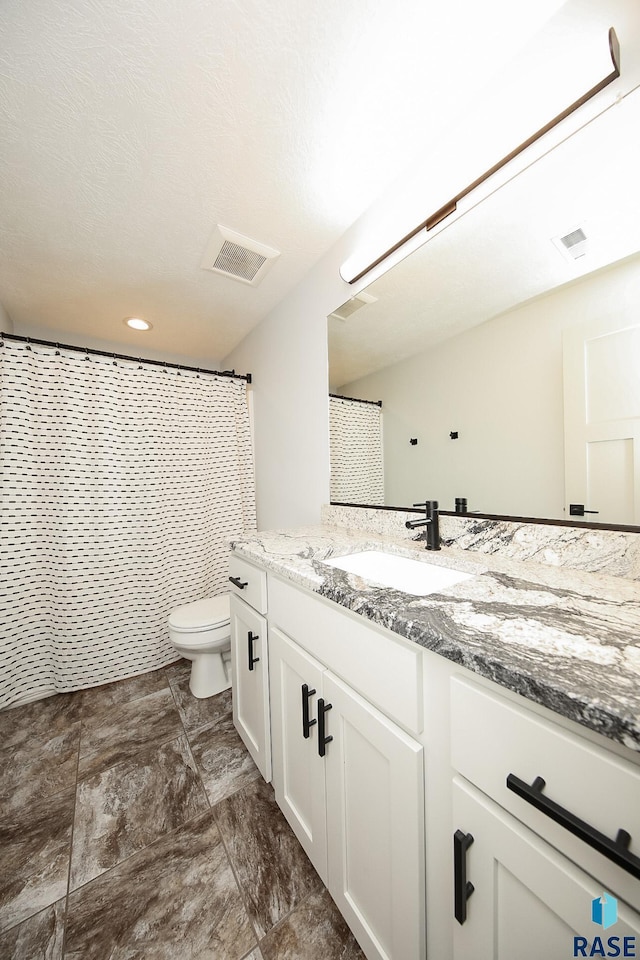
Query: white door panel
column 602, row 420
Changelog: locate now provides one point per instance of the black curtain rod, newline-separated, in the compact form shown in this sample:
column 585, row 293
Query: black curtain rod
column 337, row 396
column 123, row 356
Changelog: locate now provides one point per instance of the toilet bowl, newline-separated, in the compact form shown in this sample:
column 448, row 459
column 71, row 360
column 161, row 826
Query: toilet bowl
column 201, row 632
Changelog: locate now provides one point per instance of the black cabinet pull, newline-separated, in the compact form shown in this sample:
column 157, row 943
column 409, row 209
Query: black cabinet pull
column 462, row 888
column 616, row 850
column 238, row 582
column 306, row 722
column 250, row 638
column 322, row 740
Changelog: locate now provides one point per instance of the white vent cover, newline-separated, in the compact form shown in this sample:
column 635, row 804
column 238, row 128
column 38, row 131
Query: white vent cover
column 238, row 257
column 572, row 245
column 360, row 300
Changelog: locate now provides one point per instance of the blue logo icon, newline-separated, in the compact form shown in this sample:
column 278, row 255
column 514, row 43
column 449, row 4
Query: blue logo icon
column 604, row 910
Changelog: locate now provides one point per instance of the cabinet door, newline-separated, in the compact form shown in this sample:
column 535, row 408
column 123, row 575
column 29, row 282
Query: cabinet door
column 528, row 900
column 375, row 826
column 298, row 770
column 250, row 682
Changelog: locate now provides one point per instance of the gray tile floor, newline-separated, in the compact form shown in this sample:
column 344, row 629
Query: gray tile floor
column 134, row 824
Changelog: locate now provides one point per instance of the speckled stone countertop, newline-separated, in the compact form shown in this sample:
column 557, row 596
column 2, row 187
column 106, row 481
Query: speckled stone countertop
column 566, row 639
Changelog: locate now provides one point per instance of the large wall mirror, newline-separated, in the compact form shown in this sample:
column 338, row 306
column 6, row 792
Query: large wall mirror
column 506, row 350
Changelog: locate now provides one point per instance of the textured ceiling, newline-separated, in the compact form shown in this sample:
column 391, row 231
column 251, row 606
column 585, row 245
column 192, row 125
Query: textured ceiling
column 129, row 128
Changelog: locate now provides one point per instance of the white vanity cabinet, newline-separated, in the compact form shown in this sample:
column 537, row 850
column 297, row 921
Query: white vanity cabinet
column 534, row 807
column 349, row 780
column 410, row 780
column 298, row 768
column 528, row 901
column 250, row 660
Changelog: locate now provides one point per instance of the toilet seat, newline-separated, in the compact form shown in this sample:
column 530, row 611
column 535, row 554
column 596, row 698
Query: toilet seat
column 201, row 615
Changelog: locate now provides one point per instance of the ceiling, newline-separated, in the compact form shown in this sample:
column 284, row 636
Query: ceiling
column 500, row 253
column 129, row 129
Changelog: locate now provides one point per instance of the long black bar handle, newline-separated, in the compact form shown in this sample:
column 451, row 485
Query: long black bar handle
column 616, row 850
column 238, row 582
column 306, row 722
column 322, row 739
column 462, row 888
column 250, row 638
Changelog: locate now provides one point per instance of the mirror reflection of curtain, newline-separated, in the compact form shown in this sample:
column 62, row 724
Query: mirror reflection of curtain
column 355, row 436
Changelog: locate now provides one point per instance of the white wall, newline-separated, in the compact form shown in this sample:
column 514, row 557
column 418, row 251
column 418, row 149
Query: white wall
column 287, row 357
column 6, row 323
column 500, row 386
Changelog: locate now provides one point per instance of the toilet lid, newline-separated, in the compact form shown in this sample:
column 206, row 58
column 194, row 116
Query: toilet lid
column 201, row 614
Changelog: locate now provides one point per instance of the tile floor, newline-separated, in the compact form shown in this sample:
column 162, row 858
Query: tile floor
column 134, row 824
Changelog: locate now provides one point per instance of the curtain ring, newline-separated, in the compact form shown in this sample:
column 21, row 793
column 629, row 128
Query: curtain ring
column 57, row 353
column 115, row 362
column 29, row 343
column 86, row 354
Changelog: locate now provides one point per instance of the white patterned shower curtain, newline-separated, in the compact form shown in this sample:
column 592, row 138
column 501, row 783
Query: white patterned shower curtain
column 355, row 437
column 122, row 484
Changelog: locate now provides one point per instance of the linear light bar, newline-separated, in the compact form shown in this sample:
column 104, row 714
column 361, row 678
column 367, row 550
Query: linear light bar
column 347, row 270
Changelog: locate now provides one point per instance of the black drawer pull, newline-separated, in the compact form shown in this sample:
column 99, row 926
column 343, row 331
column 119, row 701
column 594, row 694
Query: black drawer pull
column 250, row 638
column 306, row 722
column 322, row 740
column 616, row 850
column 462, row 888
column 238, row 582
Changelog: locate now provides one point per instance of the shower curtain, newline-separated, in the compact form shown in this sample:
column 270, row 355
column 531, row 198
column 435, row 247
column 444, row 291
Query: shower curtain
column 121, row 485
column 355, row 437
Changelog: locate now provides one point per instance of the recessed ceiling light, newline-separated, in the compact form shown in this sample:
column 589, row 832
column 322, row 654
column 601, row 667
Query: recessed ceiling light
column 137, row 324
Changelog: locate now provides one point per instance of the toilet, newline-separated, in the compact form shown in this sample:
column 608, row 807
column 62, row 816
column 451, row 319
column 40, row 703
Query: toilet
column 201, row 632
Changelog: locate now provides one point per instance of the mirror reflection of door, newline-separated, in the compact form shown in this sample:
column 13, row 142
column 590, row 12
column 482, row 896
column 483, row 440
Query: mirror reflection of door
column 602, row 420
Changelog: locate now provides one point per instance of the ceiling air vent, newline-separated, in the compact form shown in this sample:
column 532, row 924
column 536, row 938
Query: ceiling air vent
column 360, row 300
column 233, row 255
column 573, row 245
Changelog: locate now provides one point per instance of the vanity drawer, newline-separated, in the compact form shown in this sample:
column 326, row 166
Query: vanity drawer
column 385, row 671
column 254, row 591
column 492, row 737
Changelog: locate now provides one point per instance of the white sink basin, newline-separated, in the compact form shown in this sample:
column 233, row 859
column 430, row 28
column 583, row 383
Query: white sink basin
column 402, row 573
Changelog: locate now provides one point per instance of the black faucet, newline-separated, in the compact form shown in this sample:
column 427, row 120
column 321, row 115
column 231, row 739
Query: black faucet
column 431, row 522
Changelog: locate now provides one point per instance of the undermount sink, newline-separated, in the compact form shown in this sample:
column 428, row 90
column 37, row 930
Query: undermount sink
column 401, row 573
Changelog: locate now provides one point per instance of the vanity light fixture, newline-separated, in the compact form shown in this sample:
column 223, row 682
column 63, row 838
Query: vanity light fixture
column 137, row 323
column 351, row 272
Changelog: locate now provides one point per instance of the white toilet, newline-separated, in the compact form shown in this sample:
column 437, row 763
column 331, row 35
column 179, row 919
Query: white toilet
column 201, row 632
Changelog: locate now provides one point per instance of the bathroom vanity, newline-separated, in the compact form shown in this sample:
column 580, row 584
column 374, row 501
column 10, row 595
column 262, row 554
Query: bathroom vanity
column 408, row 737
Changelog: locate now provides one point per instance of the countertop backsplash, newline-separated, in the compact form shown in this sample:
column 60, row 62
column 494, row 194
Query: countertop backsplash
column 611, row 552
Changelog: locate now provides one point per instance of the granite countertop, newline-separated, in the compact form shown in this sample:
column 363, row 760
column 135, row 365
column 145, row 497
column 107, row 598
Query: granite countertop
column 566, row 639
